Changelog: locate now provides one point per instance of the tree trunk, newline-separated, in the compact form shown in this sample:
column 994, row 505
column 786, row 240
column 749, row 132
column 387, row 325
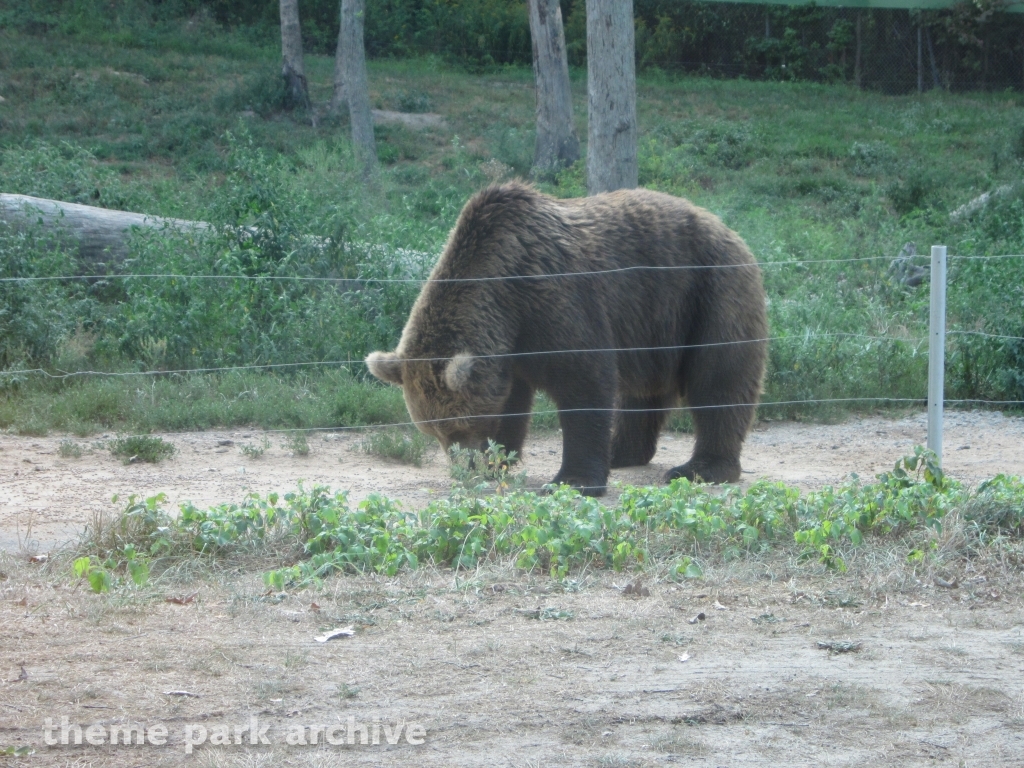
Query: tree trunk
column 291, row 52
column 931, row 55
column 356, row 84
column 338, row 98
column 857, row 72
column 557, row 145
column 100, row 234
column 611, row 91
column 920, row 60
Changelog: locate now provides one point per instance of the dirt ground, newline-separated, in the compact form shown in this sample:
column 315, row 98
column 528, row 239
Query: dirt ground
column 506, row 669
column 46, row 499
column 882, row 666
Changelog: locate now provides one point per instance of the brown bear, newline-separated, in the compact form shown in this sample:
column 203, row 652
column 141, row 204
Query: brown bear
column 615, row 305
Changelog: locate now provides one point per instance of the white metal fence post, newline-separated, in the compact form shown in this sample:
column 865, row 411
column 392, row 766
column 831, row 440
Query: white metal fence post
column 937, row 350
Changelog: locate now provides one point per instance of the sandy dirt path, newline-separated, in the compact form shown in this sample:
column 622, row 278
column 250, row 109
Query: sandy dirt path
column 46, row 499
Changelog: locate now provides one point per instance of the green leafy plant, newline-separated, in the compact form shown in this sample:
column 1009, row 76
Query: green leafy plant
column 297, row 443
column 69, row 449
column 141, row 448
column 559, row 532
column 405, row 446
column 254, row 450
column 99, row 574
column 476, row 471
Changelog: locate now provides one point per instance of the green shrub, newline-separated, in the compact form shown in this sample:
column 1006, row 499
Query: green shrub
column 563, row 531
column 404, row 446
column 37, row 314
column 141, row 448
column 69, row 449
column 297, row 443
column 262, row 91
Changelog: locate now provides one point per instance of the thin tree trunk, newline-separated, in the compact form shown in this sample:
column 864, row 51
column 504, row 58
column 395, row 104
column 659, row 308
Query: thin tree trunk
column 338, row 98
column 611, row 91
column 857, row 72
column 931, row 55
column 984, row 64
column 292, row 69
column 357, row 85
column 557, row 145
column 920, row 60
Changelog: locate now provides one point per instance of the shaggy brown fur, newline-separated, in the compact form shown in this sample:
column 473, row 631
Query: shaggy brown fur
column 613, row 388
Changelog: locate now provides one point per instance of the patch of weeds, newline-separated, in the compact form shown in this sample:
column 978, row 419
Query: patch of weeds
column 296, row 659
column 1018, row 143
column 407, row 100
column 272, row 689
column 548, row 614
column 557, row 532
column 141, row 448
column 255, row 451
column 297, row 444
column 17, row 751
column 996, row 508
column 345, row 692
column 675, row 639
column 680, row 743
column 406, row 447
column 545, row 415
column 686, row 568
column 475, row 471
column 913, row 192
column 69, row 449
column 100, row 575
column 871, row 158
column 262, row 92
column 617, row 761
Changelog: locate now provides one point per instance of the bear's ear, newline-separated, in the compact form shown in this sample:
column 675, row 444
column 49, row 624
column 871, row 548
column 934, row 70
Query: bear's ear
column 386, row 366
column 458, row 371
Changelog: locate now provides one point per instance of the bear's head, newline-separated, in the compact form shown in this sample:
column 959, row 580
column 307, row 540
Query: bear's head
column 457, row 399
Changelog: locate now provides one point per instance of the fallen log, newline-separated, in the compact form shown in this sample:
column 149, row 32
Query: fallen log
column 101, row 234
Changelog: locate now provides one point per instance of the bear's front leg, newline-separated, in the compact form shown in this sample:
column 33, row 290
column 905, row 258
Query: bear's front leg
column 586, row 441
column 515, row 418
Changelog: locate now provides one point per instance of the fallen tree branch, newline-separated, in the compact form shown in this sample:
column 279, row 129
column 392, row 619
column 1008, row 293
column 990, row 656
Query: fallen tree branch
column 101, row 234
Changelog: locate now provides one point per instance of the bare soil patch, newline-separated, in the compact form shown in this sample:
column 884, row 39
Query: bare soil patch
column 789, row 665
column 509, row 669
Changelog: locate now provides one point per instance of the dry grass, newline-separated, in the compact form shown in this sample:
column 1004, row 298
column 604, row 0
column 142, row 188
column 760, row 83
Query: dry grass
column 462, row 653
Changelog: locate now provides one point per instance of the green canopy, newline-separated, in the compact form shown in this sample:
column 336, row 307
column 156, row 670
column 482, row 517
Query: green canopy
column 923, row 5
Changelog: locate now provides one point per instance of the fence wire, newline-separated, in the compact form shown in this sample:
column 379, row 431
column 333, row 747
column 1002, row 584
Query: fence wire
column 461, row 280
column 801, row 338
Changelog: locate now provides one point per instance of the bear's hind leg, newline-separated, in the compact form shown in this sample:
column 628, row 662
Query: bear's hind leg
column 720, row 432
column 635, row 436
column 722, row 390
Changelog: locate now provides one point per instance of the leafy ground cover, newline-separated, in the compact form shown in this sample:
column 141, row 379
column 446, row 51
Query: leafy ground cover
column 489, row 517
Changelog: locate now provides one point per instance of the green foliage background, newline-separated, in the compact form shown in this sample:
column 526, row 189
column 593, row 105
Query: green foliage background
column 185, row 118
column 977, row 46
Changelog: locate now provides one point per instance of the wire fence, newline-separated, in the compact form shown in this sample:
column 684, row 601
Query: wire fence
column 502, row 355
column 803, row 337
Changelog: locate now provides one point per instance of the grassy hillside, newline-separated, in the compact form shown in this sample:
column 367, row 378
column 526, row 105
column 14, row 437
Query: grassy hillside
column 190, row 124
